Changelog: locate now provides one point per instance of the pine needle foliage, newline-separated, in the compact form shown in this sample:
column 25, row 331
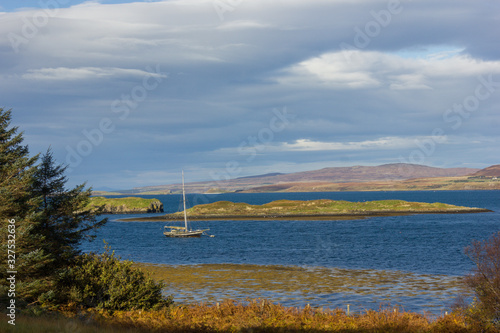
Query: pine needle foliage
column 48, row 218
column 17, row 169
column 62, row 219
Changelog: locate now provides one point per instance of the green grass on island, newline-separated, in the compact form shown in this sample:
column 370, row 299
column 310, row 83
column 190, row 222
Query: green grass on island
column 317, row 208
column 126, row 205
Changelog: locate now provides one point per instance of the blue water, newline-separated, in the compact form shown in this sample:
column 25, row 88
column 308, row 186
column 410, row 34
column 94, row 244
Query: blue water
column 428, row 243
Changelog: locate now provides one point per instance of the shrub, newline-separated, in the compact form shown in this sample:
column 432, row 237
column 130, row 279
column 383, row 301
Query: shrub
column 485, row 279
column 103, row 281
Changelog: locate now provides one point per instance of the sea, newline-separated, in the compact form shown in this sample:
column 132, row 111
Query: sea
column 422, row 245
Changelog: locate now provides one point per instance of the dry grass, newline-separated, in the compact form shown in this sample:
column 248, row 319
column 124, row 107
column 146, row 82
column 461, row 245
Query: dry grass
column 254, row 316
column 262, row 316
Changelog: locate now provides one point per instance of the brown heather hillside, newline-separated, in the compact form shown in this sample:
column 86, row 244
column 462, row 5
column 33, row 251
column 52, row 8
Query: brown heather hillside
column 416, row 184
column 397, row 171
column 492, row 171
column 353, row 175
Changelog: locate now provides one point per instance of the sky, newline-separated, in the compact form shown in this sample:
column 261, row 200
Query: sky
column 128, row 94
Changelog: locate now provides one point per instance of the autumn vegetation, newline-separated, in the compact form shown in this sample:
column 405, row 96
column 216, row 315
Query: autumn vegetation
column 252, row 316
column 484, row 281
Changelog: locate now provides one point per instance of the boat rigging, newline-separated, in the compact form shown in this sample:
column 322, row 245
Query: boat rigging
column 172, row 231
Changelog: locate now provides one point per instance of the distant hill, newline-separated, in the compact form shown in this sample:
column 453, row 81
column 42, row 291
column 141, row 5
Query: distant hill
column 397, row 171
column 262, row 176
column 492, row 171
column 356, row 175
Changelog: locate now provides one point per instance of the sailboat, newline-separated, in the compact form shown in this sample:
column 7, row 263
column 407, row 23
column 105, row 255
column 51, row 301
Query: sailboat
column 185, row 231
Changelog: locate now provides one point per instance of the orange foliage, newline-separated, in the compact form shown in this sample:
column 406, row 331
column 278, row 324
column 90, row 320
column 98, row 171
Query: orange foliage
column 262, row 316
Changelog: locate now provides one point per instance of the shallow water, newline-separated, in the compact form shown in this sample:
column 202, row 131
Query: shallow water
column 317, row 286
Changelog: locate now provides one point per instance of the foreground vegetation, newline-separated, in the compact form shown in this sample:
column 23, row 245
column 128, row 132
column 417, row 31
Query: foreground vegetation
column 252, row 316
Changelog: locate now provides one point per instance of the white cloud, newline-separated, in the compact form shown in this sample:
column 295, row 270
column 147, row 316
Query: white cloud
column 84, row 73
column 307, row 145
column 368, row 69
column 243, row 24
column 409, row 81
column 380, row 143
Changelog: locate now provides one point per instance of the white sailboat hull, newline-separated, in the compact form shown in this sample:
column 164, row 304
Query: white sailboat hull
column 183, row 233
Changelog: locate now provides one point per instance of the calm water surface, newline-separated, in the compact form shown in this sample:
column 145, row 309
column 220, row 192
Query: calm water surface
column 422, row 244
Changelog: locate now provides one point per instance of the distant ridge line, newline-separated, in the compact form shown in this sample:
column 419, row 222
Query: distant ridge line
column 262, row 176
column 350, row 175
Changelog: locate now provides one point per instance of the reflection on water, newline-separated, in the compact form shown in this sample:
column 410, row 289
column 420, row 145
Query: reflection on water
column 317, row 286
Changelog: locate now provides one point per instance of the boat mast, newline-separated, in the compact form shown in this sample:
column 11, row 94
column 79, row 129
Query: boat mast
column 184, row 202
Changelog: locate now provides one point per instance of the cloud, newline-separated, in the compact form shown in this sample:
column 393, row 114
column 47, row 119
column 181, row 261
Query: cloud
column 381, row 143
column 359, row 69
column 85, row 73
column 242, row 24
column 308, row 145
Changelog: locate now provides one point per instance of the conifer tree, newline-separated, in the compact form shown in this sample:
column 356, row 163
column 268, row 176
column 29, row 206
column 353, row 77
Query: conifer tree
column 17, row 208
column 50, row 220
column 16, row 171
column 63, row 219
column 61, row 222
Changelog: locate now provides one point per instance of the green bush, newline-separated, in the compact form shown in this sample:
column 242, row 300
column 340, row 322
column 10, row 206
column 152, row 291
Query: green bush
column 103, row 281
